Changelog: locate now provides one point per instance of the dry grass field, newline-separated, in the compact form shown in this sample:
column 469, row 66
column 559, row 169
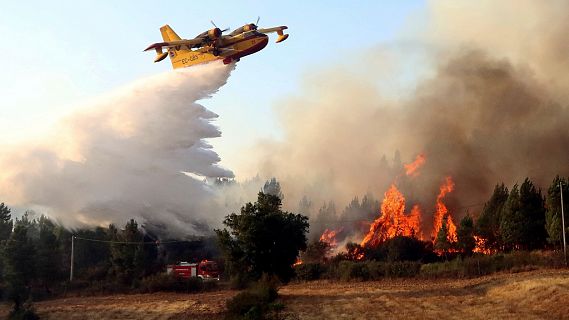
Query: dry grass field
column 157, row 306
column 527, row 295
column 541, row 294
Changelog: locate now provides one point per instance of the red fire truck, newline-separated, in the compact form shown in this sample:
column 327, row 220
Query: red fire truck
column 205, row 269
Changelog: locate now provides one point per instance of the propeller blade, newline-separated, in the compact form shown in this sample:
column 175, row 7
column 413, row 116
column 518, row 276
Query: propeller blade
column 213, row 23
column 258, row 18
column 226, row 29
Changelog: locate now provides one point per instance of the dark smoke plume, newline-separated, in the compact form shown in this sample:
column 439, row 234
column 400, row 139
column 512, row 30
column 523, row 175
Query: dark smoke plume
column 484, row 99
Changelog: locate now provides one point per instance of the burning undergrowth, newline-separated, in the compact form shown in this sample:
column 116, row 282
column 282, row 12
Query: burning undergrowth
column 395, row 220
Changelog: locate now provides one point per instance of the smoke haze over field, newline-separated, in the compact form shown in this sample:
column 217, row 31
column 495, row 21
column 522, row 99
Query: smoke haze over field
column 490, row 107
column 123, row 156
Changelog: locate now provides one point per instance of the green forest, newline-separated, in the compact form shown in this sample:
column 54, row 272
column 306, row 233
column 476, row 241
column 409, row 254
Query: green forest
column 264, row 242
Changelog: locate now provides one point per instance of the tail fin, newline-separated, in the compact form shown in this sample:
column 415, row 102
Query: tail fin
column 168, row 34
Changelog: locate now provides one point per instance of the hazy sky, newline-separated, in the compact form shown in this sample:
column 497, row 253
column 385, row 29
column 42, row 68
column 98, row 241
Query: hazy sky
column 58, row 55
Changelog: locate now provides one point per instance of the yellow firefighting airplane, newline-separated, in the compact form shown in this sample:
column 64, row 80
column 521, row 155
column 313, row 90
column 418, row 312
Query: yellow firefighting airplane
column 213, row 45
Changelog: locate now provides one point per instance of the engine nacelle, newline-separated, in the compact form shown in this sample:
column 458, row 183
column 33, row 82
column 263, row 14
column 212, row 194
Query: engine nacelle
column 214, row 33
column 249, row 27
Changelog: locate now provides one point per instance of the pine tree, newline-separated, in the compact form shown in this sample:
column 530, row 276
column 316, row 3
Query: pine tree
column 553, row 211
column 511, row 220
column 47, row 253
column 532, row 205
column 465, row 234
column 127, row 257
column 19, row 267
column 273, row 187
column 441, row 242
column 6, row 223
column 397, row 164
column 304, row 206
column 488, row 224
column 522, row 223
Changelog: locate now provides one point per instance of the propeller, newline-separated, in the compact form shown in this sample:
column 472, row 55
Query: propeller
column 222, row 31
column 255, row 26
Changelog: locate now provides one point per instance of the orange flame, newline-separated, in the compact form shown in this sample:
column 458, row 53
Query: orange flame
column 393, row 220
column 329, row 237
column 442, row 212
column 412, row 168
column 481, row 246
column 297, row 262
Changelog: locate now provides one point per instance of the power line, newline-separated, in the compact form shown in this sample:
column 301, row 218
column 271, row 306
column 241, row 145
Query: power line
column 73, row 238
column 131, row 242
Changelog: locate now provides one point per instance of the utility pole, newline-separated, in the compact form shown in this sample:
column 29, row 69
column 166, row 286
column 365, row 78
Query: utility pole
column 72, row 256
column 563, row 223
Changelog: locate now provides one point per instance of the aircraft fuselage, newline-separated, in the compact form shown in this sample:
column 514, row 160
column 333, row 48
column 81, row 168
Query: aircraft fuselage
column 233, row 49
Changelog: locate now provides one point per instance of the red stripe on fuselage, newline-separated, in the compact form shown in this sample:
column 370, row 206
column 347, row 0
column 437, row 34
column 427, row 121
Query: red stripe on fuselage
column 254, row 48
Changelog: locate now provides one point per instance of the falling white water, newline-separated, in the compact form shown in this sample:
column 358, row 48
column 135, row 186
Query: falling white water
column 125, row 156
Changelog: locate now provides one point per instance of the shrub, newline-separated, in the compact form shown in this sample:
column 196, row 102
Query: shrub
column 479, row 265
column 240, row 280
column 375, row 270
column 169, row 282
column 309, row 271
column 474, row 266
column 403, row 269
column 255, row 302
column 99, row 272
column 26, row 312
column 448, row 269
column 350, row 270
column 405, row 249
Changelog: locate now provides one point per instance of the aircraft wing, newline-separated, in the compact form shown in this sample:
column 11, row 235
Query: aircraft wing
column 278, row 30
column 176, row 43
column 275, row 29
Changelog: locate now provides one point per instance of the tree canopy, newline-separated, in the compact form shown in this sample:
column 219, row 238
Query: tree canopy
column 465, row 235
column 6, row 223
column 553, row 211
column 263, row 238
column 488, row 223
column 522, row 222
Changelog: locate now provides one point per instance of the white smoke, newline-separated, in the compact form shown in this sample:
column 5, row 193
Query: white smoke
column 124, row 156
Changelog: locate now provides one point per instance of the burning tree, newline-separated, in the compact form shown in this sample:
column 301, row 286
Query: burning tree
column 329, row 237
column 442, row 214
column 412, row 168
column 393, row 220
